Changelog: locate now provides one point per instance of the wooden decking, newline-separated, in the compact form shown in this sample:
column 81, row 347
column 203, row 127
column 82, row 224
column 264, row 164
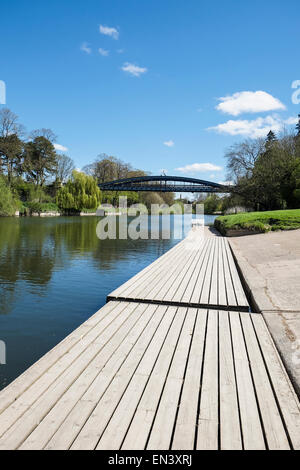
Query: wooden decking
column 141, row 375
column 198, row 272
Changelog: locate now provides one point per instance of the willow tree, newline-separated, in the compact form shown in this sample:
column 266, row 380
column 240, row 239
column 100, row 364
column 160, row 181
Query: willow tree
column 80, row 192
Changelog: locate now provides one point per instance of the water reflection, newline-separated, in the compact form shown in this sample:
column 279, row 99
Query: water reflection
column 55, row 273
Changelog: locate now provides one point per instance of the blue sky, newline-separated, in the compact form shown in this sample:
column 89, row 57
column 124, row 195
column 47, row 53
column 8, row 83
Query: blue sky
column 143, row 80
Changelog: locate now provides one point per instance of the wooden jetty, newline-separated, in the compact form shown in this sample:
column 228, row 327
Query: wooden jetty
column 160, row 366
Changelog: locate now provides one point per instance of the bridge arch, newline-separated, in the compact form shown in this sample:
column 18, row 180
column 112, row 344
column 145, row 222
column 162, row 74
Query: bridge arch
column 164, row 183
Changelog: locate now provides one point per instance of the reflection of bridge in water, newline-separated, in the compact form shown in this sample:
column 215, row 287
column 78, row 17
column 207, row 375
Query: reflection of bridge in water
column 175, row 184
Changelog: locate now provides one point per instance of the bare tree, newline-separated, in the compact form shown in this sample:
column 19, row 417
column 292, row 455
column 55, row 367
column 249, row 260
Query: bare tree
column 9, row 124
column 47, row 133
column 241, row 158
column 65, row 166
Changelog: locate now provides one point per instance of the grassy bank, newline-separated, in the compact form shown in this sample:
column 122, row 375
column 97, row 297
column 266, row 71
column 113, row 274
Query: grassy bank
column 259, row 221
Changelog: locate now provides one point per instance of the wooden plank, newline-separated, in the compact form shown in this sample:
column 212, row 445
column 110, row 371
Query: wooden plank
column 186, row 298
column 214, row 287
column 253, row 438
column 146, row 273
column 94, row 427
column 140, row 426
column 222, row 294
column 168, row 278
column 178, row 290
column 140, row 292
column 205, row 293
column 185, row 430
column 116, row 430
column 230, row 292
column 98, row 375
column 29, row 416
column 33, row 373
column 285, row 394
column 273, row 426
column 238, row 288
column 196, row 295
column 9, row 416
column 208, row 420
column 90, row 429
column 162, row 429
column 230, row 430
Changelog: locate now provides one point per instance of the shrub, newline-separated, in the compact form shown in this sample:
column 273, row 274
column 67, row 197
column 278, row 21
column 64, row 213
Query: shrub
column 8, row 203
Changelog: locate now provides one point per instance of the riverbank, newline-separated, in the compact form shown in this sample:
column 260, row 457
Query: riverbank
column 258, row 222
column 270, row 266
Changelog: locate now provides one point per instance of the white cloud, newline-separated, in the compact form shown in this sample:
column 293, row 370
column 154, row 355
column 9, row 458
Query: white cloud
column 163, row 170
column 60, row 148
column 254, row 128
column 226, row 183
column 107, row 31
column 85, row 48
column 199, row 168
column 169, row 143
column 103, row 52
column 249, row 102
column 134, row 70
column 120, row 51
column 291, row 120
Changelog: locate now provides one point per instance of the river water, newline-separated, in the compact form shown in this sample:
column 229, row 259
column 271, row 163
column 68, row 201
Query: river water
column 54, row 274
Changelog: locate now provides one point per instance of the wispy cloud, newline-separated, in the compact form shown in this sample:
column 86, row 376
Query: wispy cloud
column 169, row 143
column 120, row 51
column 103, row 52
column 133, row 69
column 60, row 148
column 85, row 47
column 226, row 183
column 109, row 31
column 254, row 128
column 199, row 168
column 249, row 102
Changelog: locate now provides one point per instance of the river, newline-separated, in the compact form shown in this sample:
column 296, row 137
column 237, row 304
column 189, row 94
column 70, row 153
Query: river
column 54, row 274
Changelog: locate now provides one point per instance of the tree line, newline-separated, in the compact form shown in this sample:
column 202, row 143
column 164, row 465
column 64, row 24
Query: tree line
column 264, row 173
column 35, row 178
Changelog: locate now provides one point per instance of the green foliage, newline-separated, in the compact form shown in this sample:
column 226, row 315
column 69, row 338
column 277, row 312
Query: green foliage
column 40, row 160
column 212, row 204
column 34, row 207
column 8, row 203
column 11, row 148
column 81, row 191
column 267, row 173
column 260, row 221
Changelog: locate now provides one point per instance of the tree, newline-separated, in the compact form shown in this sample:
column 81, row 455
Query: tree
column 11, row 150
column 9, row 124
column 212, row 204
column 271, row 137
column 241, row 158
column 80, row 192
column 47, row 133
column 65, row 167
column 40, row 160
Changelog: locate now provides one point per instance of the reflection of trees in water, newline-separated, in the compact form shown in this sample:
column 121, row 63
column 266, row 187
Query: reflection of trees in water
column 32, row 248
